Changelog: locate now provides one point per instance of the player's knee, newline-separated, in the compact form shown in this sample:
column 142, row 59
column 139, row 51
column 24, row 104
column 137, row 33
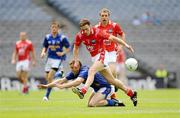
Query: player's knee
column 111, row 81
column 91, row 104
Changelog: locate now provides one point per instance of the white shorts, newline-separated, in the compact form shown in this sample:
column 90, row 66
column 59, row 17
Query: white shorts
column 52, row 63
column 111, row 56
column 22, row 65
column 97, row 57
column 106, row 91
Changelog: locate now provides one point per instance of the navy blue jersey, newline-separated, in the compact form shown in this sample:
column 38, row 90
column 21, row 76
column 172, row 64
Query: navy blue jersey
column 99, row 80
column 55, row 45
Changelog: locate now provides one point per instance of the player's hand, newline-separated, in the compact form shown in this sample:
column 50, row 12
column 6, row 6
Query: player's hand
column 13, row 61
column 130, row 48
column 42, row 86
column 43, row 54
column 60, row 53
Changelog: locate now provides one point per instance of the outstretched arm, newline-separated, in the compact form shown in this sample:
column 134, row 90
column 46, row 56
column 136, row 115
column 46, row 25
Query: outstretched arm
column 70, row 84
column 54, row 83
column 120, row 41
column 119, row 46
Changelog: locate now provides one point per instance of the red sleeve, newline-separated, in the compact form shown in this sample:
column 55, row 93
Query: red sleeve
column 118, row 30
column 78, row 40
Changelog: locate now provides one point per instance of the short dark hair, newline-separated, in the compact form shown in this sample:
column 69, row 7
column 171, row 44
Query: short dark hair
column 73, row 61
column 84, row 22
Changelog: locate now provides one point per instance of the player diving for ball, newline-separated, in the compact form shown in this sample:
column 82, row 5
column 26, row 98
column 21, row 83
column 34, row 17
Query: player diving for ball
column 102, row 89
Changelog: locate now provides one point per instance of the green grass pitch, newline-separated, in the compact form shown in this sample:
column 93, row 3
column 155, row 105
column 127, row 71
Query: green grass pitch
column 64, row 104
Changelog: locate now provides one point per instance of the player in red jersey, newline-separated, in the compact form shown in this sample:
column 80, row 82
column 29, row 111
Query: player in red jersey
column 116, row 55
column 21, row 55
column 93, row 39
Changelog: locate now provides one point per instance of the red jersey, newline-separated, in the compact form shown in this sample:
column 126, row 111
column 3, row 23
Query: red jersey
column 93, row 42
column 23, row 49
column 111, row 28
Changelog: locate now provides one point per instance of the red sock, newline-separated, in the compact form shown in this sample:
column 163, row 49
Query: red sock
column 24, row 89
column 84, row 90
column 130, row 92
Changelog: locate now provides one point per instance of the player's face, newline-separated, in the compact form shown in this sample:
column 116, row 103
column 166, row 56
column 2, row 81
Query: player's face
column 54, row 28
column 104, row 17
column 23, row 36
column 74, row 69
column 86, row 29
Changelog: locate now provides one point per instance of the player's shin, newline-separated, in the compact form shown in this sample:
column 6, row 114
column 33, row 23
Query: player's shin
column 123, row 87
column 49, row 79
column 110, row 78
column 48, row 91
column 24, row 82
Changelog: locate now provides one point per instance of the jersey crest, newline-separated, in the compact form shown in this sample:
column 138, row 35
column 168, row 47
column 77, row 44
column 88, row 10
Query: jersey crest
column 93, row 41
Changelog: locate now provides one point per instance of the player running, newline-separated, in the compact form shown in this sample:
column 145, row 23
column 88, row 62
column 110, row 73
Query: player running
column 24, row 48
column 93, row 39
column 79, row 74
column 115, row 52
column 54, row 44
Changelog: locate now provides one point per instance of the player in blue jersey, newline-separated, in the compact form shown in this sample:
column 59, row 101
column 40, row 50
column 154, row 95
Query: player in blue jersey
column 53, row 44
column 102, row 89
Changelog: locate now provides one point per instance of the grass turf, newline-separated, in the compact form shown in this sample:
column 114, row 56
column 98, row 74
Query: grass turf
column 163, row 103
